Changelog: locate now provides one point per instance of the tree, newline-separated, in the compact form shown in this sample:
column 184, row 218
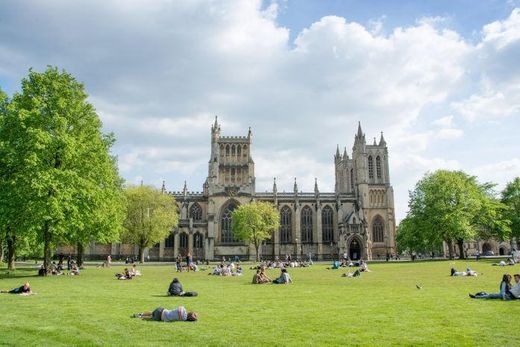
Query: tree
column 58, row 168
column 452, row 206
column 255, row 222
column 511, row 198
column 150, row 217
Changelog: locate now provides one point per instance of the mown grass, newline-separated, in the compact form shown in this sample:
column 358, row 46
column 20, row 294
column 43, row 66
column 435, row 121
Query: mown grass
column 382, row 307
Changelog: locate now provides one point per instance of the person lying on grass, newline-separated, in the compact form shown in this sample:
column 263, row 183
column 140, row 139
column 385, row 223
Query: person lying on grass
column 356, row 273
column 164, row 315
column 175, row 289
column 284, row 278
column 505, row 291
column 25, row 289
column 468, row 272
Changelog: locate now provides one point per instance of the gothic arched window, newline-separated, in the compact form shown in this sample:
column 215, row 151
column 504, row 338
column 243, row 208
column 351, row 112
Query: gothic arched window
column 239, row 150
column 197, row 240
column 352, row 179
column 306, row 225
column 285, row 225
column 168, row 242
column 221, row 150
column 370, row 167
column 378, row 166
column 196, row 212
column 378, row 230
column 326, row 224
column 183, row 240
column 227, row 150
column 226, row 224
column 233, row 150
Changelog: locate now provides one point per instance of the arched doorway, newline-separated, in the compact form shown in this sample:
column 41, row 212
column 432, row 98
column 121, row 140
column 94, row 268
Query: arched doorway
column 486, row 247
column 354, row 249
column 501, row 251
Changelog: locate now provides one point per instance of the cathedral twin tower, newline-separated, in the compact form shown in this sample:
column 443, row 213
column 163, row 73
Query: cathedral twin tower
column 357, row 219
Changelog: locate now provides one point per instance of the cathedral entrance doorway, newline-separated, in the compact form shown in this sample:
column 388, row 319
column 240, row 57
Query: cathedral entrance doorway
column 354, row 250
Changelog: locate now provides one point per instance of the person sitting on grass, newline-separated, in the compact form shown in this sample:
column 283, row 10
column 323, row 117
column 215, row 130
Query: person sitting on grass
column 74, row 269
column 134, row 272
column 25, row 289
column 515, row 290
column 164, row 315
column 363, row 267
column 175, row 289
column 263, row 276
column 126, row 275
column 505, row 293
column 256, row 277
column 356, row 273
column 284, row 278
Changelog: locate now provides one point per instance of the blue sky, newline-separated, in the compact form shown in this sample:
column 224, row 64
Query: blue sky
column 440, row 78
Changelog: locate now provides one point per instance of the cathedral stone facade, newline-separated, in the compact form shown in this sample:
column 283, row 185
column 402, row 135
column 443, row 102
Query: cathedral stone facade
column 356, row 219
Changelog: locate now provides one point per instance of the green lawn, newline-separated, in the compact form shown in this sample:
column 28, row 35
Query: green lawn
column 382, row 307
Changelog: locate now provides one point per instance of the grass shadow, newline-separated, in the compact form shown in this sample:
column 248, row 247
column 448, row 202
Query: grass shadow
column 18, row 273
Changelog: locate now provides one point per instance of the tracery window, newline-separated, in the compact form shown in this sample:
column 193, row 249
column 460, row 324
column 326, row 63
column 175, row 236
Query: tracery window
column 239, row 150
column 227, row 150
column 378, row 166
column 197, row 240
column 285, row 225
column 196, row 212
column 370, row 167
column 326, row 224
column 226, row 224
column 306, row 225
column 378, row 230
column 183, row 240
column 233, row 150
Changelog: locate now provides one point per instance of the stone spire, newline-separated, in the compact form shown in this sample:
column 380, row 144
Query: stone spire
column 249, row 133
column 163, row 188
column 275, row 189
column 337, row 153
column 375, row 143
column 382, row 141
column 359, row 131
column 185, row 190
column 295, row 186
column 316, row 190
column 215, row 125
column 345, row 155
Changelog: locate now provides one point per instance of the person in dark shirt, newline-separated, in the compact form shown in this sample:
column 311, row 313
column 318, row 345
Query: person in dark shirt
column 175, row 289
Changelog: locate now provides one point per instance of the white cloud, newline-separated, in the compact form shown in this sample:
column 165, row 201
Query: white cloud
column 158, row 72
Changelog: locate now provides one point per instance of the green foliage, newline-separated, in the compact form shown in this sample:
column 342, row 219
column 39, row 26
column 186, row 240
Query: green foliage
column 321, row 308
column 255, row 222
column 451, row 206
column 511, row 197
column 57, row 178
column 151, row 215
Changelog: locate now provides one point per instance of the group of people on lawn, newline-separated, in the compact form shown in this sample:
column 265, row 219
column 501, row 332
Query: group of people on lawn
column 507, row 291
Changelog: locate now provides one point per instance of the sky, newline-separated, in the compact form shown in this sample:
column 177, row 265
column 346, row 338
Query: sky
column 440, row 78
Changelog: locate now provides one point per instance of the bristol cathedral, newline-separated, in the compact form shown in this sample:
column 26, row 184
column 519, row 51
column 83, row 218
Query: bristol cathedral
column 356, row 219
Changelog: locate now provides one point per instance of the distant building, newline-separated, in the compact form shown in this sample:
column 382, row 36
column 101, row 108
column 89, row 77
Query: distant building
column 356, row 219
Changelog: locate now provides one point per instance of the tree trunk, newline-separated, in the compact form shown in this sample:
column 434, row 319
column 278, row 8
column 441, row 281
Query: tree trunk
column 460, row 243
column 1, row 250
column 141, row 254
column 257, row 248
column 46, row 245
column 80, row 252
column 450, row 249
column 11, row 250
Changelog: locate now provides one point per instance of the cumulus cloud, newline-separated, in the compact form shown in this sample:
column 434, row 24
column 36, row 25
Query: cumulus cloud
column 158, row 72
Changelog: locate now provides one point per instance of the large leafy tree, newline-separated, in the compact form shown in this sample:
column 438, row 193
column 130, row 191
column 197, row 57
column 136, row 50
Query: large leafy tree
column 59, row 171
column 511, row 197
column 150, row 217
column 452, row 206
column 255, row 222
